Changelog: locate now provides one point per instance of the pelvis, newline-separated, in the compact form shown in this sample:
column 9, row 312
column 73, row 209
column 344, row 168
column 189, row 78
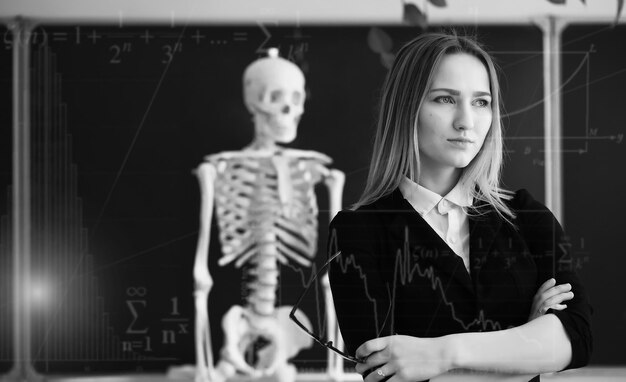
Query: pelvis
column 259, row 346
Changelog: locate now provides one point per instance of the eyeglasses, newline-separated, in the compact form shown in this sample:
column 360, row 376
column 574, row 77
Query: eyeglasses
column 292, row 316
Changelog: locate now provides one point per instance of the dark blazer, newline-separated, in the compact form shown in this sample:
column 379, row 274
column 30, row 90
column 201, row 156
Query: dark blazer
column 395, row 275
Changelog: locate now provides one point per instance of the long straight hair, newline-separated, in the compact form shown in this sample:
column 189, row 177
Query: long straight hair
column 396, row 150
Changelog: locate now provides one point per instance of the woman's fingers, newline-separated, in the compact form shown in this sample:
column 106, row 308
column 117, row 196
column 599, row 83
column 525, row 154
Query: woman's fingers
column 374, row 360
column 403, row 358
column 554, row 302
column 380, row 374
column 546, row 285
column 370, row 347
column 553, row 291
column 544, row 309
column 559, row 298
column 558, row 307
column 550, row 296
column 562, row 288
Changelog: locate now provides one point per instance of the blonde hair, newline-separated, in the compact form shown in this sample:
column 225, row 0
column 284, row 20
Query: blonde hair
column 394, row 156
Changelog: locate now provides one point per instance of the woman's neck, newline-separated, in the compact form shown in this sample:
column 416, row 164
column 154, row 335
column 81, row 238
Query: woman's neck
column 441, row 181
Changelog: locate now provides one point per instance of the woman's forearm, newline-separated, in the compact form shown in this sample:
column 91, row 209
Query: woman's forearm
column 539, row 346
column 481, row 376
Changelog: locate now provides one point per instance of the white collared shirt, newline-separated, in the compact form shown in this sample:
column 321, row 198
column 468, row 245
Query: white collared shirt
column 449, row 219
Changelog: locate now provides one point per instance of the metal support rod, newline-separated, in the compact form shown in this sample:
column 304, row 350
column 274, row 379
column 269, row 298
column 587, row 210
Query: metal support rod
column 553, row 131
column 22, row 369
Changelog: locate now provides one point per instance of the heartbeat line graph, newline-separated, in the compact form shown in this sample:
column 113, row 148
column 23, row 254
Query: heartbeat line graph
column 404, row 273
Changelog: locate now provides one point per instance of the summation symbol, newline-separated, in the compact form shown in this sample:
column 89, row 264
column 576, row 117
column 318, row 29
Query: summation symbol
column 173, row 325
column 268, row 36
column 135, row 307
column 572, row 260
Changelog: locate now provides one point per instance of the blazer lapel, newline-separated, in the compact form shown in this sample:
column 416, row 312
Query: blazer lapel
column 406, row 224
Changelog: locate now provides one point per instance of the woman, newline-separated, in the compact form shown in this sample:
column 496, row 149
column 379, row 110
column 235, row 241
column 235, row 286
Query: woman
column 440, row 268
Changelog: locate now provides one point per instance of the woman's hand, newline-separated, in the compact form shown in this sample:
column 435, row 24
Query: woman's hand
column 404, row 358
column 550, row 296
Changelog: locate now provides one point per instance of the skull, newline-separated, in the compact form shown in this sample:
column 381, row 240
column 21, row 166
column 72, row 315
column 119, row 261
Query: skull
column 274, row 94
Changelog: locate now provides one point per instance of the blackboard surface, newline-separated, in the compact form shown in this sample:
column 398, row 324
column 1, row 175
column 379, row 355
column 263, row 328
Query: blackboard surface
column 594, row 72
column 122, row 116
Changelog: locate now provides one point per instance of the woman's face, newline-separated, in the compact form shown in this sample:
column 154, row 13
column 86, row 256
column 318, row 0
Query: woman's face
column 455, row 115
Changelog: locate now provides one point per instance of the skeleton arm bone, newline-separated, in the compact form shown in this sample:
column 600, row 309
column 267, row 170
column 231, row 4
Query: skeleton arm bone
column 206, row 174
column 334, row 181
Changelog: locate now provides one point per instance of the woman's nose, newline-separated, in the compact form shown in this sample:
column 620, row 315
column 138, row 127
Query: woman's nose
column 463, row 118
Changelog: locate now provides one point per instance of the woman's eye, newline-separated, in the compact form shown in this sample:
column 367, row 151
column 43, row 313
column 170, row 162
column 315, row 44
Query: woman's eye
column 444, row 99
column 482, row 102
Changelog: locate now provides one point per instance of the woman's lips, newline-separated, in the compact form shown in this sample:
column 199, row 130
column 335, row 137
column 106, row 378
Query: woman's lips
column 461, row 142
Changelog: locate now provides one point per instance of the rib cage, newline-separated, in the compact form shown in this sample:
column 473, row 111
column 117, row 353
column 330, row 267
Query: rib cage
column 266, row 211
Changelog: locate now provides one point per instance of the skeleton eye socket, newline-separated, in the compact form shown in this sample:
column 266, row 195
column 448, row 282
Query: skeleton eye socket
column 276, row 96
column 296, row 98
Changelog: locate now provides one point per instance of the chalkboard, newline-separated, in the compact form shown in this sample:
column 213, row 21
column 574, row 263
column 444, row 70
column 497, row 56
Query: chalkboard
column 594, row 77
column 120, row 118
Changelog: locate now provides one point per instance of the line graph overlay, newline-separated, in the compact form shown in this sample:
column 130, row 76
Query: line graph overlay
column 405, row 272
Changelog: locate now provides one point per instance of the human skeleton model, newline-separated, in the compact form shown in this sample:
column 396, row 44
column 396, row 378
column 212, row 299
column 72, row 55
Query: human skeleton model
column 267, row 213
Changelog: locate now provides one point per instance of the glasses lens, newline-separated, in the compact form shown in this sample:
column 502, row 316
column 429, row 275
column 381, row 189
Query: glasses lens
column 304, row 323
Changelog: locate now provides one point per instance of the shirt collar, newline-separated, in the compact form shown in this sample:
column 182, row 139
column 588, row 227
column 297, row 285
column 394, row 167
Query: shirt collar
column 459, row 196
column 424, row 200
